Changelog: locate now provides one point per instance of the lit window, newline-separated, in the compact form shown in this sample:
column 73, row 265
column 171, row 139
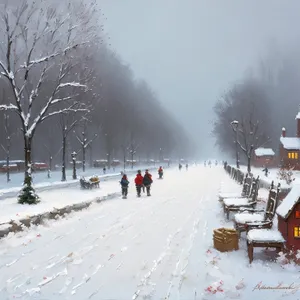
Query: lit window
column 293, row 155
column 297, row 232
column 297, row 214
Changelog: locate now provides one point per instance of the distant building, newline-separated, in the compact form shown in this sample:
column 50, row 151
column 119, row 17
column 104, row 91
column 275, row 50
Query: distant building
column 289, row 150
column 264, row 157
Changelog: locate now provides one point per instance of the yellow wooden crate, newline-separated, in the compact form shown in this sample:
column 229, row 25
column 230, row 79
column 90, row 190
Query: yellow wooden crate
column 226, row 239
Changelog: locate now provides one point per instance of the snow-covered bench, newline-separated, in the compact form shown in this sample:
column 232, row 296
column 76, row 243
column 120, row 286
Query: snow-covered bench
column 246, row 190
column 235, row 204
column 249, row 219
column 264, row 238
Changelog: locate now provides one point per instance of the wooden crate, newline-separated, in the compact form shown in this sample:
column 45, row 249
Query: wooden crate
column 226, row 239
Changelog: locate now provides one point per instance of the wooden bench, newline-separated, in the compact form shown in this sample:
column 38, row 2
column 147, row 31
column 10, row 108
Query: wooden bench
column 248, row 219
column 264, row 238
column 87, row 184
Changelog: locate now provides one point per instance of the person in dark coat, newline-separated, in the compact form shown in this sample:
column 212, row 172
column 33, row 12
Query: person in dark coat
column 124, row 184
column 147, row 181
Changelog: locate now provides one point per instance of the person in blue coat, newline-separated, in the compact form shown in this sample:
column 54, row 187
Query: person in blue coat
column 124, row 184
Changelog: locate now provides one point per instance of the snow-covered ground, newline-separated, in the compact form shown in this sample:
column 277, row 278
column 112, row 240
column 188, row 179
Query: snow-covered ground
column 42, row 183
column 157, row 247
column 273, row 176
column 42, row 177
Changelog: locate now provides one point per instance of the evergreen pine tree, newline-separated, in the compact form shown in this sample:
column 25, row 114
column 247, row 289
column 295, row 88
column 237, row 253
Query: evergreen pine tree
column 27, row 194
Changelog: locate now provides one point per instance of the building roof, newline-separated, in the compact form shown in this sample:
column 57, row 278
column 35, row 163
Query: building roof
column 298, row 116
column 288, row 203
column 264, row 152
column 290, row 143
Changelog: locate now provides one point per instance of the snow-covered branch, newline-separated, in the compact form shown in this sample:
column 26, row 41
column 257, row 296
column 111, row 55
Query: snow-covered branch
column 51, row 56
column 64, row 110
column 71, row 84
column 8, row 107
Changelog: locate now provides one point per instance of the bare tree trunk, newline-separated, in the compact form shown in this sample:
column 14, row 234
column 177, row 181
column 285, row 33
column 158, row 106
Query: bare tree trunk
column 50, row 163
column 28, row 164
column 7, row 166
column 91, row 156
column 63, row 168
column 249, row 164
column 83, row 157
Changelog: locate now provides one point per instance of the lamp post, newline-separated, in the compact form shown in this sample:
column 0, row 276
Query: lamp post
column 235, row 125
column 160, row 155
column 132, row 152
column 73, row 154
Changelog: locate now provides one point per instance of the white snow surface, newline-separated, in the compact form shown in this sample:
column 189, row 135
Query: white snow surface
column 235, row 201
column 157, row 247
column 264, row 152
column 268, row 235
column 289, row 202
column 244, row 217
column 230, row 195
column 290, row 143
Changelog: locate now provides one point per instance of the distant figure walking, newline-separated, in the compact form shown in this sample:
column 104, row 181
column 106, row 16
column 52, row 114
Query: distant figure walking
column 187, row 166
column 180, row 167
column 104, row 170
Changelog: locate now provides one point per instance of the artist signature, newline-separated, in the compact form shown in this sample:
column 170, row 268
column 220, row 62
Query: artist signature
column 293, row 287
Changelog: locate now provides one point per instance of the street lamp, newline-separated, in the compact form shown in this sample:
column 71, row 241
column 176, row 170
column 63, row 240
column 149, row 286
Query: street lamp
column 160, row 155
column 235, row 125
column 73, row 154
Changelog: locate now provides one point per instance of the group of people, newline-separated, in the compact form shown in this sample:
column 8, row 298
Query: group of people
column 180, row 167
column 141, row 182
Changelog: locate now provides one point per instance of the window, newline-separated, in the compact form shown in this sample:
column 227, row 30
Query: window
column 297, row 214
column 297, row 232
column 293, row 155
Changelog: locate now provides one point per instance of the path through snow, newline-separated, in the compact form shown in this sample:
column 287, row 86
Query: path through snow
column 148, row 248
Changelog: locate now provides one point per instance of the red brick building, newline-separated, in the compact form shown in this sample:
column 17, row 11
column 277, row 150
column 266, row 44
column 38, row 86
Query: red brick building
column 289, row 150
column 289, row 218
column 264, row 157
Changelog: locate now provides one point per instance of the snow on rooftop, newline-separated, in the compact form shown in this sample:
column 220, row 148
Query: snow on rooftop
column 264, row 152
column 269, row 235
column 298, row 116
column 290, row 143
column 288, row 203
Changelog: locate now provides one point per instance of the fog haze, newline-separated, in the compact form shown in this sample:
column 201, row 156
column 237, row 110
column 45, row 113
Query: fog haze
column 190, row 51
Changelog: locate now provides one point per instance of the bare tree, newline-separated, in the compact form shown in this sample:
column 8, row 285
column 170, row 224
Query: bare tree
column 6, row 148
column 67, row 122
column 247, row 106
column 27, row 63
column 250, row 136
column 84, row 142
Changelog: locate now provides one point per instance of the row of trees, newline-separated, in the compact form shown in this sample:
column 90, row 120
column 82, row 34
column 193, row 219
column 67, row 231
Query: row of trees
column 252, row 112
column 62, row 89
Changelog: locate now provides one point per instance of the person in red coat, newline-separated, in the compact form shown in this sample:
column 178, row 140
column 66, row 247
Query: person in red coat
column 139, row 182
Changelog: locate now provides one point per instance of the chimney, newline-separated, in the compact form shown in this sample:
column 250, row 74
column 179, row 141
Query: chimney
column 283, row 132
column 298, row 123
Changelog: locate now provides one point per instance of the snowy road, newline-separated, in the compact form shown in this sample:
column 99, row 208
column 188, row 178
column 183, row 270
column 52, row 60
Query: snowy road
column 155, row 247
column 122, row 249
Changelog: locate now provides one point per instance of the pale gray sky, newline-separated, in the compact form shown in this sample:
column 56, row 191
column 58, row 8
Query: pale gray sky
column 189, row 51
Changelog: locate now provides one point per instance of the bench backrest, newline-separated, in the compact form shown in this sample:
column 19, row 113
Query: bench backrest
column 248, row 185
column 254, row 190
column 272, row 203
